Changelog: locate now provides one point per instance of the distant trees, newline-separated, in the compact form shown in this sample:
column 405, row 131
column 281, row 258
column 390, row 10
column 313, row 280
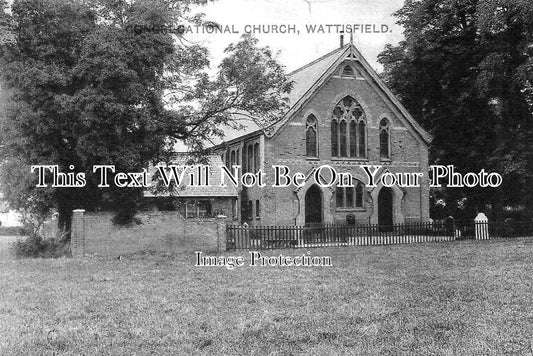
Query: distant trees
column 81, row 88
column 465, row 70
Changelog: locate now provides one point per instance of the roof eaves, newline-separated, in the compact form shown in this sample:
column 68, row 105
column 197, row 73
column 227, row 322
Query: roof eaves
column 236, row 139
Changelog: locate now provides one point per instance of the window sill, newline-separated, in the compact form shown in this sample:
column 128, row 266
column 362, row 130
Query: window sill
column 312, row 159
column 347, row 210
column 360, row 159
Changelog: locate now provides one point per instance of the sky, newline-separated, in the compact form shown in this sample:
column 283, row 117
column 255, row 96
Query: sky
column 297, row 49
column 299, row 45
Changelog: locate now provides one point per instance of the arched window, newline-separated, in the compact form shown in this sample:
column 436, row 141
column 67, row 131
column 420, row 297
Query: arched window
column 334, row 138
column 384, row 138
column 348, row 130
column 232, row 160
column 243, row 159
column 362, row 139
column 353, row 139
column 250, row 159
column 347, row 71
column 256, row 157
column 342, row 139
column 350, row 197
column 310, row 136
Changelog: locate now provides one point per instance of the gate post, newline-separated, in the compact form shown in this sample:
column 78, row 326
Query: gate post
column 482, row 227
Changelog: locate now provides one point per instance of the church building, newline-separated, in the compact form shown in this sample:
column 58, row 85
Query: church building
column 343, row 115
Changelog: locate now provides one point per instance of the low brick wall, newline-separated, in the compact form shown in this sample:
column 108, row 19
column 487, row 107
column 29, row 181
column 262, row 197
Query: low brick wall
column 95, row 234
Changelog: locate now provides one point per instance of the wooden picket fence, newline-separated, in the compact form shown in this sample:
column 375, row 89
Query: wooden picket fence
column 273, row 237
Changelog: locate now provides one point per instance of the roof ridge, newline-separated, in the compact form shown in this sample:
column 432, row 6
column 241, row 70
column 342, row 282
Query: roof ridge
column 318, row 59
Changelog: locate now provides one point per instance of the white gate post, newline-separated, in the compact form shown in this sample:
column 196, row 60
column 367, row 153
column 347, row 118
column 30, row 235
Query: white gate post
column 482, row 227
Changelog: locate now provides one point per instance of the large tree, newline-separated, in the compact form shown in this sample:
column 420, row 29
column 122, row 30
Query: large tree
column 465, row 70
column 103, row 82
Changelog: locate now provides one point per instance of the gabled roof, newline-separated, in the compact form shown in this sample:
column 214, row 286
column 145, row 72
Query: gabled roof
column 186, row 190
column 304, row 77
column 309, row 78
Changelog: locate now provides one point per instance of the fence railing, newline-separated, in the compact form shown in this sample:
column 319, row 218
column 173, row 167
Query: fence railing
column 270, row 237
column 495, row 230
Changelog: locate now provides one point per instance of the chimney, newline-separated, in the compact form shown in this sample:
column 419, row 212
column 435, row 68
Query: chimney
column 342, row 39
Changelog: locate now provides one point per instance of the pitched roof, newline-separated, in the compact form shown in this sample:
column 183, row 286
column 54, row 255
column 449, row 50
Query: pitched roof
column 304, row 77
column 244, row 126
column 186, row 190
column 309, row 78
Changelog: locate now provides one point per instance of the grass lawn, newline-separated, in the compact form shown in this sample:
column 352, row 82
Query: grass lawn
column 465, row 298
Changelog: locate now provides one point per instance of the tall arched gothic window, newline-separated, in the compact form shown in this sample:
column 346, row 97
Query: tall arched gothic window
column 384, row 138
column 334, row 138
column 256, row 157
column 311, row 136
column 233, row 159
column 243, row 159
column 250, row 165
column 348, row 130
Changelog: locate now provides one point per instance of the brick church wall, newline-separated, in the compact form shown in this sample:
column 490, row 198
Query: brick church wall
column 288, row 148
column 409, row 154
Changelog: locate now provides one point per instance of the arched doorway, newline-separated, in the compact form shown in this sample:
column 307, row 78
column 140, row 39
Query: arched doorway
column 313, row 205
column 385, row 213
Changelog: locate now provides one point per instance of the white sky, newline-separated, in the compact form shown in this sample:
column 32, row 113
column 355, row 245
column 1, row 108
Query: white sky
column 299, row 49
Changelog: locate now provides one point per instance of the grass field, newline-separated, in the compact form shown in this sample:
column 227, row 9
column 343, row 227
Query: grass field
column 464, row 298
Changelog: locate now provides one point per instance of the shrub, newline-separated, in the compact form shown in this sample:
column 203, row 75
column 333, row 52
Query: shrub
column 36, row 247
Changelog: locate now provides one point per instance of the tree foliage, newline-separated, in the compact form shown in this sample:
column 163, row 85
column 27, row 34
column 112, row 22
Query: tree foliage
column 465, row 71
column 83, row 88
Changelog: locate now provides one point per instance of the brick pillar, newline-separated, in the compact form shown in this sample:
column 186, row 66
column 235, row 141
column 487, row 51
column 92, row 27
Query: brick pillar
column 77, row 235
column 221, row 233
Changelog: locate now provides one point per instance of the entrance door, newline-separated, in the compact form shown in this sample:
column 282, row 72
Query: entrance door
column 313, row 205
column 385, row 208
